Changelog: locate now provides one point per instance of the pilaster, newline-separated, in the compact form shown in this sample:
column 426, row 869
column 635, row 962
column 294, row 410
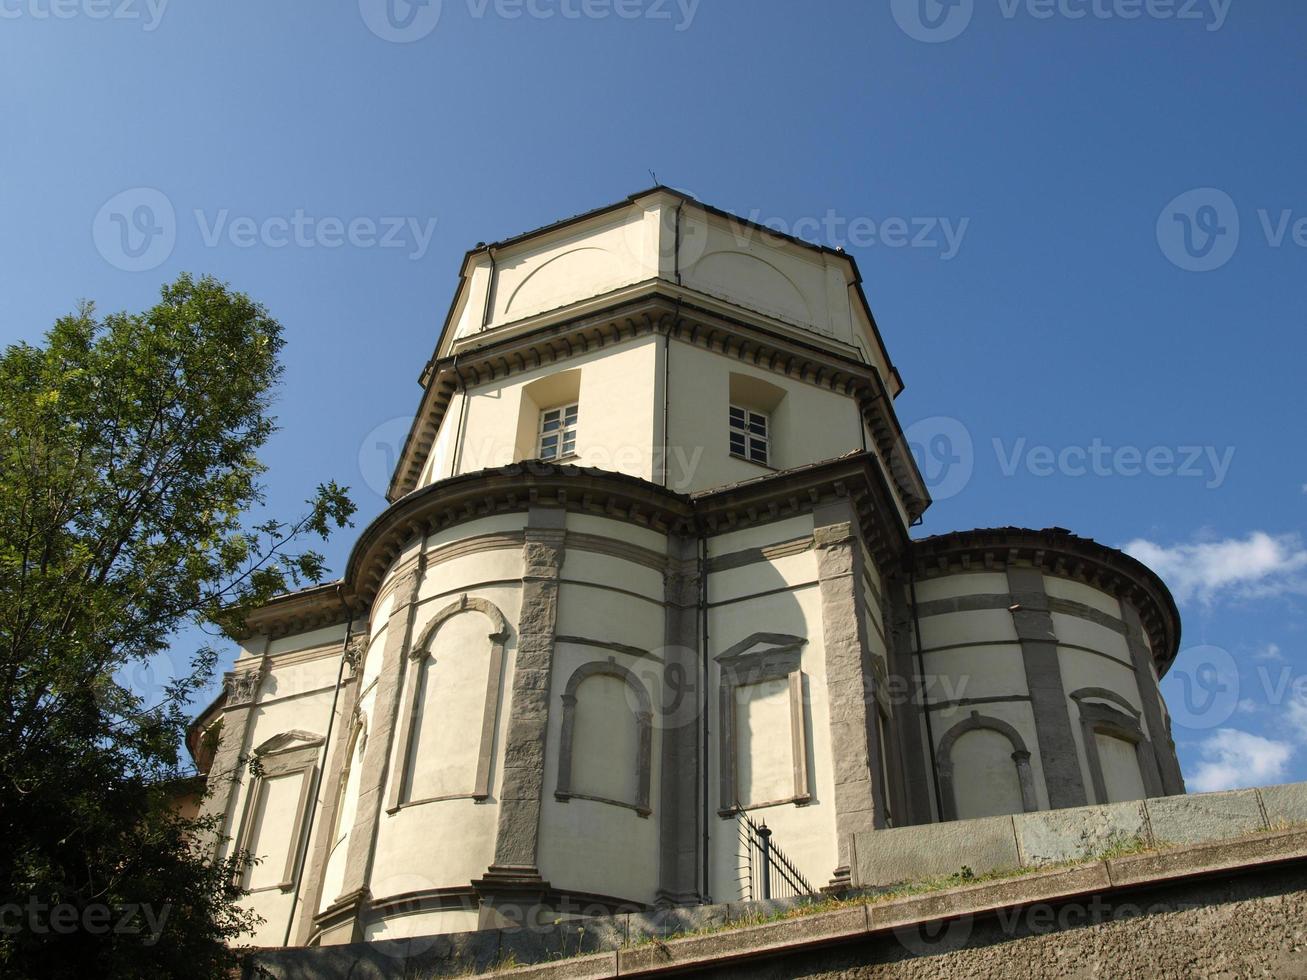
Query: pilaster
column 1150, row 696
column 351, row 909
column 512, row 885
column 850, row 682
column 1048, row 701
column 227, row 769
column 680, row 717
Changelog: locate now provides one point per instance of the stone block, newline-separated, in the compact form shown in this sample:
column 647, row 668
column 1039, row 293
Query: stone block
column 1078, row 833
column 663, row 923
column 821, row 927
column 1286, row 804
column 1204, row 817
column 916, row 853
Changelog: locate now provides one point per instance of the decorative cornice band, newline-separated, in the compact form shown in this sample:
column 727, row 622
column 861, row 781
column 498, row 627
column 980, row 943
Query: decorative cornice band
column 1058, row 552
column 516, row 488
column 659, row 307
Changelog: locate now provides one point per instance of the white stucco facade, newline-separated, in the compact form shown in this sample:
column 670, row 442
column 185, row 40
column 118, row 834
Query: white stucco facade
column 646, row 572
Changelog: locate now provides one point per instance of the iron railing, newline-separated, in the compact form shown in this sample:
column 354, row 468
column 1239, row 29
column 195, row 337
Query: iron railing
column 765, row 871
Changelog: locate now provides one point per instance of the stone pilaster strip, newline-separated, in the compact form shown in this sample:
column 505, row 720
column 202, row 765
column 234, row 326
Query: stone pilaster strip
column 376, row 755
column 1057, row 747
column 1159, row 728
column 241, row 687
column 909, row 713
column 518, row 833
column 678, row 719
column 849, row 681
column 311, row 890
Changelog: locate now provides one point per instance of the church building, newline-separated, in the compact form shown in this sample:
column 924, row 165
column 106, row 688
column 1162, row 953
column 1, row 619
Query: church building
column 648, row 572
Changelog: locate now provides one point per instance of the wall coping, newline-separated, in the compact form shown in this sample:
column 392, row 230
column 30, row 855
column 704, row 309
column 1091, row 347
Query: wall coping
column 649, row 943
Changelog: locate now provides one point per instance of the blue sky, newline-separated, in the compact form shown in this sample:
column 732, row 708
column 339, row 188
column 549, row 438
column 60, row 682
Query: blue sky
column 1100, row 323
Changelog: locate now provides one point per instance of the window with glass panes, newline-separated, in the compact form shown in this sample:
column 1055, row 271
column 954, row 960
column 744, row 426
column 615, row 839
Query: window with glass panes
column 748, row 435
column 558, row 432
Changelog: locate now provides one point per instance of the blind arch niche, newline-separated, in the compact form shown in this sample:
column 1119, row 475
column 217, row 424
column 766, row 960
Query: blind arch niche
column 454, row 676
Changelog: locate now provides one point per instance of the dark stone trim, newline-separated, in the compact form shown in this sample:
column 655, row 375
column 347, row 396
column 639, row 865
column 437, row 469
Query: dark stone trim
column 908, row 719
column 679, row 719
column 1020, row 758
column 1058, row 552
column 1048, row 702
column 850, row 684
column 1159, row 723
column 517, row 837
column 1100, row 718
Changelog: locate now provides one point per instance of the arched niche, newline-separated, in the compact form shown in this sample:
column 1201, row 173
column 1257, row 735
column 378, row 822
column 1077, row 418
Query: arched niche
column 445, row 651
column 640, row 750
column 1013, row 748
column 1122, row 763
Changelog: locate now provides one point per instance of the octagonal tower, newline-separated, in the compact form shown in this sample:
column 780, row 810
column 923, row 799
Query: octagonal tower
column 646, row 567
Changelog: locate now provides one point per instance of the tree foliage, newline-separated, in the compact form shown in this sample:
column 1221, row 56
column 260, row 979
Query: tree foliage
column 128, row 470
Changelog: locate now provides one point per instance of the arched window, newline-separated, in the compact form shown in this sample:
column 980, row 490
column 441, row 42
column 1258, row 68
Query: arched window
column 452, row 689
column 984, row 770
column 606, row 747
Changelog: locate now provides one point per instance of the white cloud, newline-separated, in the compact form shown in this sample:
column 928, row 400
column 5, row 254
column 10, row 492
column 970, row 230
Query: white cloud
column 1296, row 713
column 1269, row 652
column 1233, row 759
column 1257, row 566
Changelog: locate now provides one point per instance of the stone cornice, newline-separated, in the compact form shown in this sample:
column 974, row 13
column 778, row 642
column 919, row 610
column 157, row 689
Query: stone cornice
column 582, row 490
column 662, row 308
column 1059, row 552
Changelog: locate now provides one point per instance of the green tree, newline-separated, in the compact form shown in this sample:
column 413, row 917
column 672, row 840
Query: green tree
column 128, row 472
